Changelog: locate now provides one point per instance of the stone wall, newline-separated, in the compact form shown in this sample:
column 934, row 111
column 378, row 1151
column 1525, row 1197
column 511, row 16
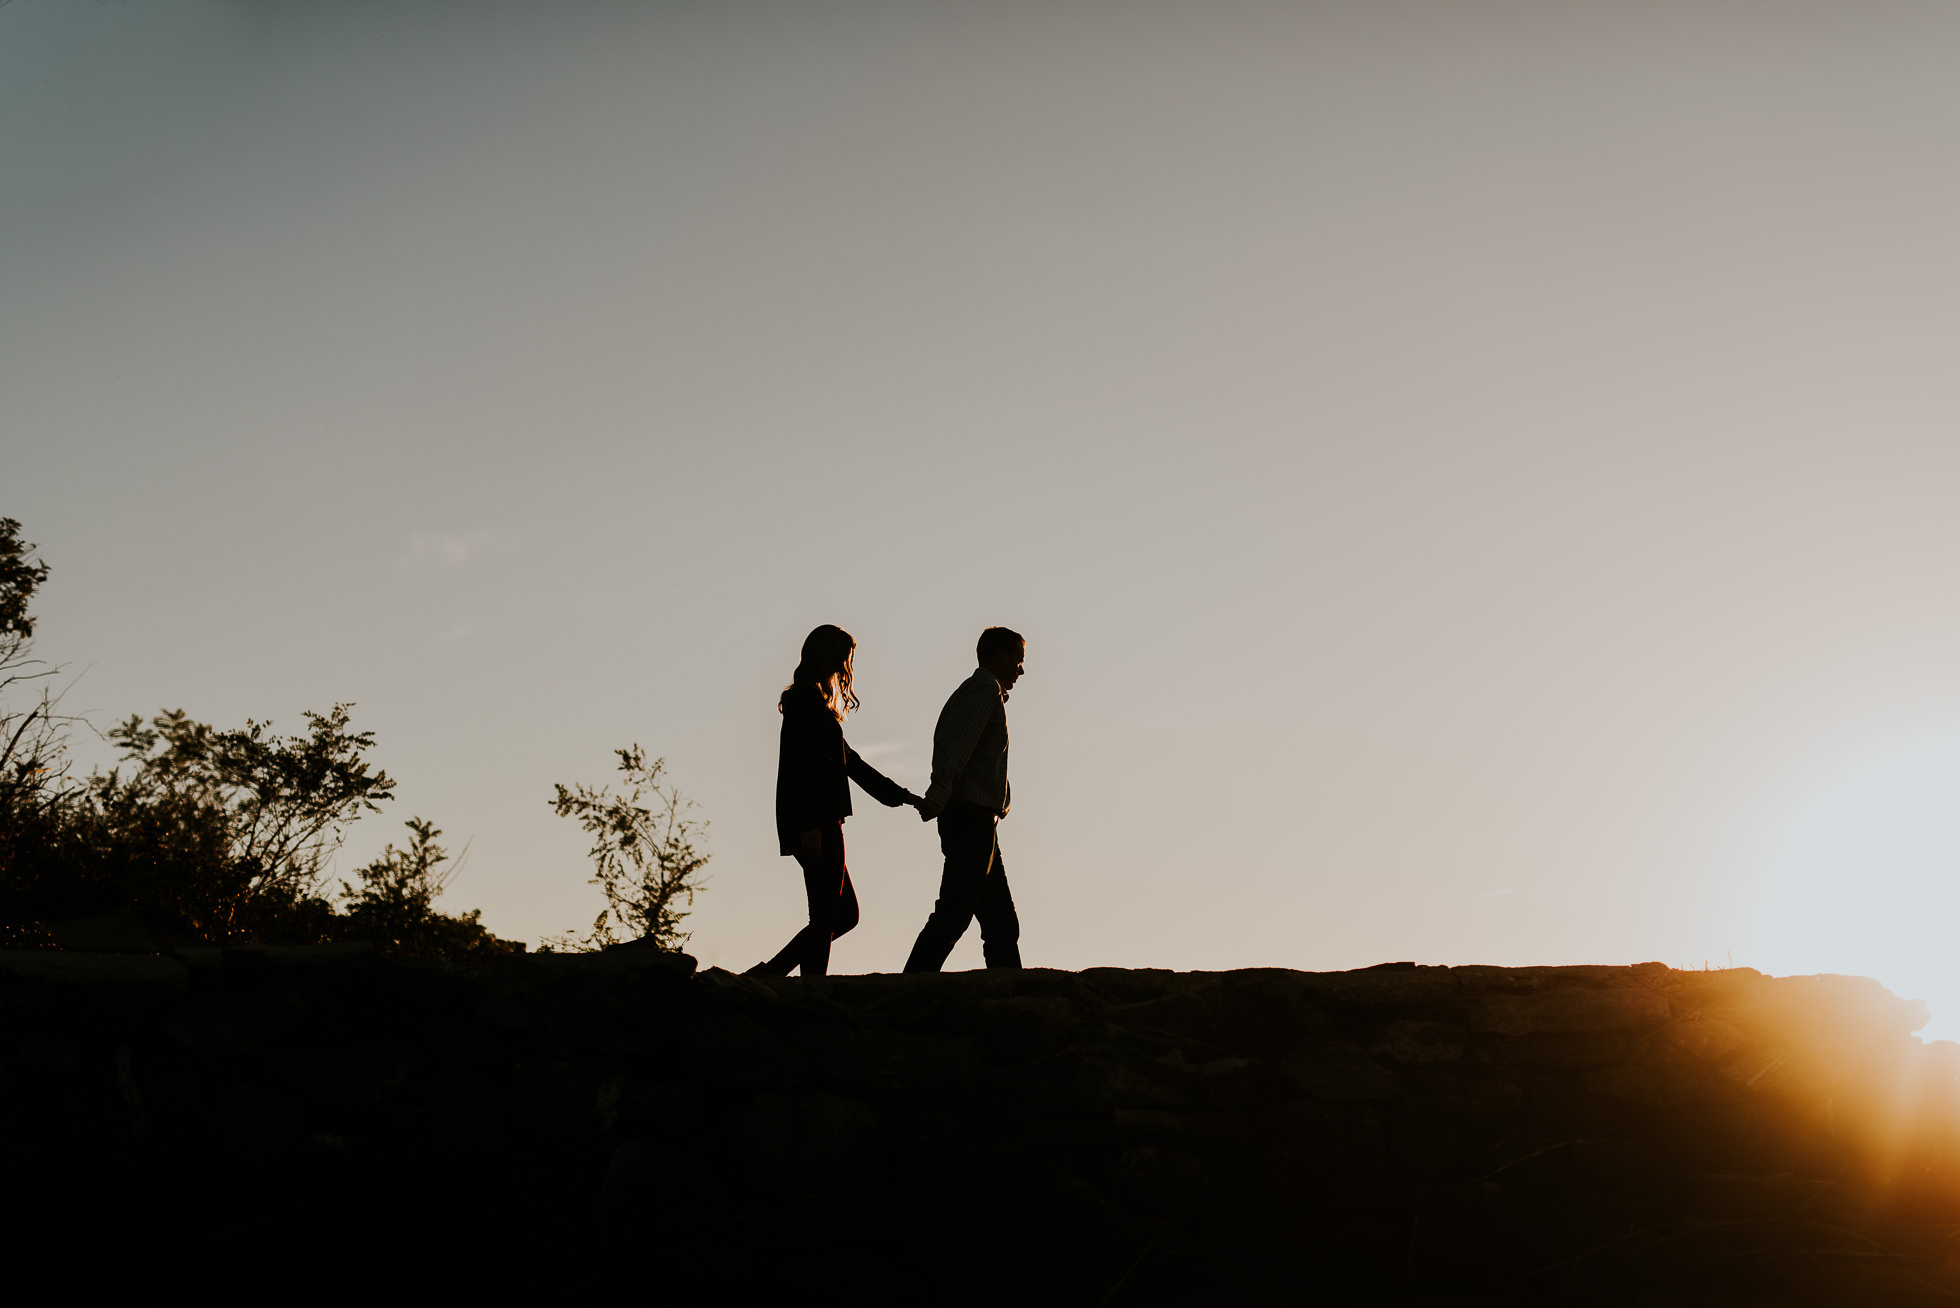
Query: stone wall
column 1401, row 1134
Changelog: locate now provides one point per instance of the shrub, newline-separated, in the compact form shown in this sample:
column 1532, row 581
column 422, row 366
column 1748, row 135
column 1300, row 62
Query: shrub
column 644, row 855
column 394, row 904
column 199, row 835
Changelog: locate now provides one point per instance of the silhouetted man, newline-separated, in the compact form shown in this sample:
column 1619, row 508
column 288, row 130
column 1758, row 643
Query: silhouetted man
column 969, row 795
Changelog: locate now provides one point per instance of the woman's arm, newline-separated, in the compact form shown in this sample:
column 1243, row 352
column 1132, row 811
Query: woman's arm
column 875, row 783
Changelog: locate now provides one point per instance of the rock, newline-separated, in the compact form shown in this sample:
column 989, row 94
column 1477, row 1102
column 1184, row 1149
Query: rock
column 1650, row 1087
column 93, row 969
column 936, row 1136
column 1016, row 1093
column 1725, row 1197
column 1023, row 1028
column 1493, row 1098
column 1420, row 1042
column 730, row 1052
column 1568, row 1009
column 461, row 1114
column 1220, row 1126
column 1399, row 987
column 1185, row 1013
column 1563, row 1052
column 1103, row 1079
column 639, row 1170
column 1045, row 1013
column 638, row 955
column 606, row 1101
column 1049, row 1217
column 795, row 1133
column 1615, row 1166
column 556, row 1099
column 1478, row 978
column 353, row 1076
column 203, row 1031
column 1339, row 1074
column 1704, row 1039
column 1809, row 1086
column 648, row 1106
column 259, row 1124
column 1940, row 1060
column 1402, row 1134
column 1344, row 1140
column 890, row 1062
column 1133, row 985
column 1158, row 1179
column 1818, row 1011
column 1230, row 1084
column 750, row 988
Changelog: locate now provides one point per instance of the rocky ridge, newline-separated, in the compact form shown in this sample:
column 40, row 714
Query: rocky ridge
column 1399, row 1134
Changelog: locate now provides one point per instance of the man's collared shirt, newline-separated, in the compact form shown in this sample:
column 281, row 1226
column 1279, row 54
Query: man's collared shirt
column 969, row 746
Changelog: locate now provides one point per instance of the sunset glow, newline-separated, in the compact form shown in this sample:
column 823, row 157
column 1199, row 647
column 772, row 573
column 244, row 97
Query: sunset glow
column 1864, row 875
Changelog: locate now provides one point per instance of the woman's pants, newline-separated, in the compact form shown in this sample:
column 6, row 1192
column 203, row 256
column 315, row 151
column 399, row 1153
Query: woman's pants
column 833, row 906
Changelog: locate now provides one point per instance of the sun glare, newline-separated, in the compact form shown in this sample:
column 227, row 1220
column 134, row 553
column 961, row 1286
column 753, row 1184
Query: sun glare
column 1863, row 876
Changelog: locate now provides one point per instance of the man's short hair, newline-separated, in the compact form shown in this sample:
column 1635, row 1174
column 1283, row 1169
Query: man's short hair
column 996, row 640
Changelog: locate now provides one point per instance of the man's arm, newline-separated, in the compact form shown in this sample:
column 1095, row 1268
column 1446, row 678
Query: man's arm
column 961, row 722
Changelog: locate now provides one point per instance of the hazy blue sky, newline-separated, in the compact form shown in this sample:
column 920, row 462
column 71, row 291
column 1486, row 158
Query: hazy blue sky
column 1478, row 479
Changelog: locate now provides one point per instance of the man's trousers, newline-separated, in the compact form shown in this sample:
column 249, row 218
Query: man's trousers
column 973, row 885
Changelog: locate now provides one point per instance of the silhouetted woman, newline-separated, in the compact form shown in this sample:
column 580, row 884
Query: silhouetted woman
column 813, row 795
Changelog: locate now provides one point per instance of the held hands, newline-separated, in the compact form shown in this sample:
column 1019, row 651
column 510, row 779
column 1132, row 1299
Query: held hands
column 927, row 810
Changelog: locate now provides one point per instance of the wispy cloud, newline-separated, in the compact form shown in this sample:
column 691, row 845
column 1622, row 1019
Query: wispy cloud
column 444, row 549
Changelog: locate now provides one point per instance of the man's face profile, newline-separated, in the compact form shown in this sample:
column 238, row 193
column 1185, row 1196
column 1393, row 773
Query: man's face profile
column 1006, row 665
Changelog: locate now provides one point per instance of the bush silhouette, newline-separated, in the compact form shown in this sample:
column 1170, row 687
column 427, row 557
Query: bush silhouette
column 644, row 857
column 394, row 904
column 200, row 835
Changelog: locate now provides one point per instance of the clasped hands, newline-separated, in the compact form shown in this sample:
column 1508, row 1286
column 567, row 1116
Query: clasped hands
column 812, row 841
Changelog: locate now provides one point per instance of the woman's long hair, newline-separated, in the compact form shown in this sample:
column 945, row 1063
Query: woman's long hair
column 826, row 668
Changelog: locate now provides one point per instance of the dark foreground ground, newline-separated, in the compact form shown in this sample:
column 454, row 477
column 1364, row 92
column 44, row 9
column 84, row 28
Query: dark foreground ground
column 1399, row 1135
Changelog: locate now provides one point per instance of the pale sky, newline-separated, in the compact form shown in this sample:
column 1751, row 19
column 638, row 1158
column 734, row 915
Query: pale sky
column 1477, row 479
